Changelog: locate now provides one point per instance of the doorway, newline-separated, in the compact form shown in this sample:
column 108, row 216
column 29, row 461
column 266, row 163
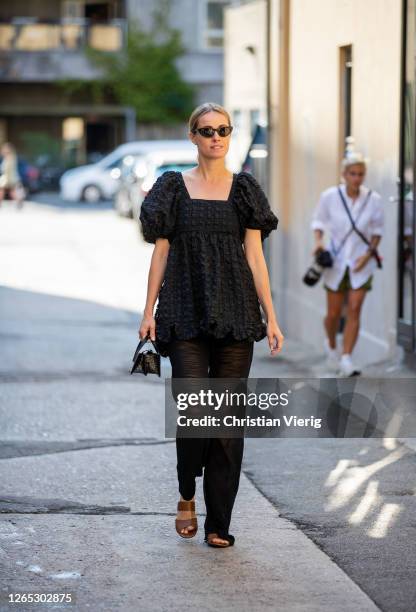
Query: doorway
column 100, row 139
column 406, row 251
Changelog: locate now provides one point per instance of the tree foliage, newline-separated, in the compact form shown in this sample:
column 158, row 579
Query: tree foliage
column 144, row 74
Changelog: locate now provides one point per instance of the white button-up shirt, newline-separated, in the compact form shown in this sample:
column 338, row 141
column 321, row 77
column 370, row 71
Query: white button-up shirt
column 331, row 215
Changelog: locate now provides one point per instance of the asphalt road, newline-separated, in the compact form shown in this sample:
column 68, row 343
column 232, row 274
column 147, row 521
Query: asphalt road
column 88, row 484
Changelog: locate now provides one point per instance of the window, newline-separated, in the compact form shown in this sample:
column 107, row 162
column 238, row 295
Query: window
column 214, row 35
column 345, row 96
column 237, row 118
column 254, row 120
column 407, row 209
column 72, row 9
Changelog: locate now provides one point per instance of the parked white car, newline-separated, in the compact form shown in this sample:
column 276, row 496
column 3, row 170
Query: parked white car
column 135, row 184
column 95, row 182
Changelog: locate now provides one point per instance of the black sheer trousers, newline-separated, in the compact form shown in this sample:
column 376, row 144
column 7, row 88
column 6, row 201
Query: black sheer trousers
column 221, row 458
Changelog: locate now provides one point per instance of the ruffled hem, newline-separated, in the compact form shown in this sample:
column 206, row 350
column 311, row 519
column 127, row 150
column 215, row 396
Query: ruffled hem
column 166, row 333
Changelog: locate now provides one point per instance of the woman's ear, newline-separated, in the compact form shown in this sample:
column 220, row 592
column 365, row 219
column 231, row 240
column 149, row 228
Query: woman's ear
column 192, row 137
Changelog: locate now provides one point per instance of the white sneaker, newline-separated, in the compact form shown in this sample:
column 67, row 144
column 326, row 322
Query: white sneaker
column 332, row 357
column 347, row 368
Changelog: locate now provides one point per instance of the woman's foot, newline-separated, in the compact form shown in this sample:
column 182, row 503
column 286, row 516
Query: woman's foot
column 213, row 539
column 332, row 357
column 186, row 521
column 347, row 367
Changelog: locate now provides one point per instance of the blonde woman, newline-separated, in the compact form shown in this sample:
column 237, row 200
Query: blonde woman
column 354, row 259
column 210, row 275
column 9, row 175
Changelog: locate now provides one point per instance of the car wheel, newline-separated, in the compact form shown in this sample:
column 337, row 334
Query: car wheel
column 91, row 194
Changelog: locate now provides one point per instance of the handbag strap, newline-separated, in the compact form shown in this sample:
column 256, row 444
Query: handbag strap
column 141, row 344
column 353, row 223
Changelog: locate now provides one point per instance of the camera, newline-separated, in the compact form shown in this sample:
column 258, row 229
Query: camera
column 323, row 259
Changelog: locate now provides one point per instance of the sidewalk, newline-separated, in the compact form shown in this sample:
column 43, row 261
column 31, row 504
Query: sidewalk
column 303, row 360
column 89, row 487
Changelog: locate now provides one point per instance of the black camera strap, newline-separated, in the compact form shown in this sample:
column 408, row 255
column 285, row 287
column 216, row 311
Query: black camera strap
column 355, row 228
column 336, row 251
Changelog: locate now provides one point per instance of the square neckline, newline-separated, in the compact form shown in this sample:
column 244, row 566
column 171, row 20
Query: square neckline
column 230, row 195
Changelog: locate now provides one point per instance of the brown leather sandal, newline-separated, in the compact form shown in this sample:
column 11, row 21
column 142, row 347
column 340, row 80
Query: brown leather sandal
column 191, row 522
column 211, row 536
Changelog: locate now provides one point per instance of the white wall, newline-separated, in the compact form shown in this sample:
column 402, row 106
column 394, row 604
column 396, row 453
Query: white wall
column 373, row 28
column 245, row 73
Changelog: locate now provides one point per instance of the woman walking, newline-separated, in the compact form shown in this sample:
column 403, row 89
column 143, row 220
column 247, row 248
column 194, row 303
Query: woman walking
column 9, row 176
column 210, row 290
column 355, row 256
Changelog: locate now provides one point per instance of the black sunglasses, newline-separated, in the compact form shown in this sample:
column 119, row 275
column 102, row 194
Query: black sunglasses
column 208, row 131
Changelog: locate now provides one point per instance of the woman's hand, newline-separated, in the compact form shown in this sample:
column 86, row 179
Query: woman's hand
column 275, row 337
column 147, row 327
column 360, row 262
column 319, row 246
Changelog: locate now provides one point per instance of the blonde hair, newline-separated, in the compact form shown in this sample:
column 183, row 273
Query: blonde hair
column 204, row 108
column 352, row 156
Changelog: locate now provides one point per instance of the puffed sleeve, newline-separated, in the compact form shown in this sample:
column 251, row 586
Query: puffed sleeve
column 158, row 210
column 253, row 206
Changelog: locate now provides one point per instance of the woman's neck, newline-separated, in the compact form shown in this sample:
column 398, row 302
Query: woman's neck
column 352, row 192
column 212, row 170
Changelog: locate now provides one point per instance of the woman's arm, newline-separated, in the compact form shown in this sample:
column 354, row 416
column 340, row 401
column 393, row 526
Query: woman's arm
column 320, row 221
column 364, row 259
column 154, row 282
column 319, row 240
column 255, row 258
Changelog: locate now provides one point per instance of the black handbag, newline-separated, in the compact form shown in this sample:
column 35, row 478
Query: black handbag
column 147, row 362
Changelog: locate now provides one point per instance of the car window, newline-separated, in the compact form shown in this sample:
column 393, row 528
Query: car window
column 178, row 167
column 115, row 164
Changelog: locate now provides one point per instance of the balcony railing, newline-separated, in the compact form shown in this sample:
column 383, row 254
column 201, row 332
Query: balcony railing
column 28, row 34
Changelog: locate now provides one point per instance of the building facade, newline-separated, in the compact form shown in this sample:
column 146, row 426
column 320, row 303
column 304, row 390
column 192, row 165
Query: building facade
column 345, row 70
column 42, row 42
column 245, row 74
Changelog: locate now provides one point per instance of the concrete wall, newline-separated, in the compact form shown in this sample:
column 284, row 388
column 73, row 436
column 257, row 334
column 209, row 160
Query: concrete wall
column 309, row 109
column 50, row 9
column 245, row 70
column 200, row 66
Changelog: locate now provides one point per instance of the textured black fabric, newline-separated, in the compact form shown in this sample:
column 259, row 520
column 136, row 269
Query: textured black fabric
column 208, row 285
column 221, row 458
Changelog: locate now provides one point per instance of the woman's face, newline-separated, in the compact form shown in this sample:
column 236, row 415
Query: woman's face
column 215, row 146
column 354, row 175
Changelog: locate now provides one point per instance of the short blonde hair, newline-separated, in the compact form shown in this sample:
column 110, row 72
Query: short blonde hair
column 352, row 157
column 204, row 108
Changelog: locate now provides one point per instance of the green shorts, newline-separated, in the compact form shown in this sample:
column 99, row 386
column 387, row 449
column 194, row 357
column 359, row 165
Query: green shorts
column 345, row 284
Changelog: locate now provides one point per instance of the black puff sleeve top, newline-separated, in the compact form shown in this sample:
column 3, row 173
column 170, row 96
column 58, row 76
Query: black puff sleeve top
column 208, row 285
